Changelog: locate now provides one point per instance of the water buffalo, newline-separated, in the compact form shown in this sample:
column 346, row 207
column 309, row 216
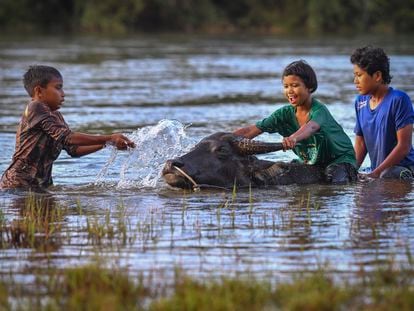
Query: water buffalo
column 224, row 160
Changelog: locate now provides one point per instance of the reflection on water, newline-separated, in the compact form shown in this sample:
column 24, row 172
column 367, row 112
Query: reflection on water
column 113, row 204
column 382, row 209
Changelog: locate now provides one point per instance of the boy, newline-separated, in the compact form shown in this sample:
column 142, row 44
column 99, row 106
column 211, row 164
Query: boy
column 306, row 120
column 384, row 117
column 43, row 133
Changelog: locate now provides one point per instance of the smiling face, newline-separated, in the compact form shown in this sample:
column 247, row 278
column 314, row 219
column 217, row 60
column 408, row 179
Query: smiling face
column 52, row 95
column 296, row 91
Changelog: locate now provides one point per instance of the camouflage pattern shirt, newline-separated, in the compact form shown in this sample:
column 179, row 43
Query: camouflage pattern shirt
column 40, row 137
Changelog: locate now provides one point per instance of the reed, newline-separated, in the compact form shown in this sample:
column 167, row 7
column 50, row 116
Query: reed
column 38, row 224
column 99, row 287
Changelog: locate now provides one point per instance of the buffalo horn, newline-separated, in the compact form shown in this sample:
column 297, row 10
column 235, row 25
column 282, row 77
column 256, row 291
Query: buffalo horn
column 245, row 146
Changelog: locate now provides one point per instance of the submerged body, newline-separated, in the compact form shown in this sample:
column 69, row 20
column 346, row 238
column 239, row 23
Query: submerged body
column 41, row 135
column 225, row 159
column 384, row 117
column 307, row 127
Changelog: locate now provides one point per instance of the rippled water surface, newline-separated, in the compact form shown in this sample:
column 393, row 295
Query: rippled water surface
column 166, row 94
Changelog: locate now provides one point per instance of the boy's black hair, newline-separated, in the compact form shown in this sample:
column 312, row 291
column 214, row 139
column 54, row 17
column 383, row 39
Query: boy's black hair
column 303, row 70
column 372, row 59
column 39, row 75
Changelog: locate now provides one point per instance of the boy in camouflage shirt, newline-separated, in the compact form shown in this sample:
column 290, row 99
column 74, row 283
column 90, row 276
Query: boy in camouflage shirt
column 43, row 133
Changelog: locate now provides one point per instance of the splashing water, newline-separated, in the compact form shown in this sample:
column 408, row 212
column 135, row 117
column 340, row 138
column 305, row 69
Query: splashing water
column 154, row 145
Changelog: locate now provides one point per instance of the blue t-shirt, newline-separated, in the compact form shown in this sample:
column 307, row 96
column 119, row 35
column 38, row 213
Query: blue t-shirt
column 379, row 126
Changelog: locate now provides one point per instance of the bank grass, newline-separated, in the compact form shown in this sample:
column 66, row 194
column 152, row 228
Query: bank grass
column 101, row 287
column 91, row 287
column 95, row 288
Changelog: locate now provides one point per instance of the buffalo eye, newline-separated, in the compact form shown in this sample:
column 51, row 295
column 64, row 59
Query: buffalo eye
column 223, row 152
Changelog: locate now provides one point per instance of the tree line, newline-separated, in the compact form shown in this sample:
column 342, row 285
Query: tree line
column 210, row 16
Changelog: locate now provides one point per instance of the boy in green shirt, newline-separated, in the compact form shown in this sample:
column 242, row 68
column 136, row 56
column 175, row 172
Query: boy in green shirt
column 323, row 142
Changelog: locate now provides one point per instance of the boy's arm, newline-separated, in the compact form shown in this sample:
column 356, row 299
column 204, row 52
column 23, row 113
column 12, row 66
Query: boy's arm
column 54, row 125
column 118, row 140
column 305, row 131
column 360, row 150
column 250, row 131
column 84, row 150
column 404, row 143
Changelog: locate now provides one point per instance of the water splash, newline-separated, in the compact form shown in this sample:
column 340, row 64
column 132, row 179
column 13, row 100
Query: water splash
column 100, row 179
column 155, row 144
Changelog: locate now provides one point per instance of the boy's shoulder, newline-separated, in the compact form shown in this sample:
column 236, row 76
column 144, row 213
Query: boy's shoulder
column 395, row 93
column 35, row 105
column 284, row 109
column 317, row 105
column 36, row 111
column 362, row 97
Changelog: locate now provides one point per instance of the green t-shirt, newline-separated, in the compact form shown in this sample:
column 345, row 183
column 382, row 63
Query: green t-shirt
column 328, row 145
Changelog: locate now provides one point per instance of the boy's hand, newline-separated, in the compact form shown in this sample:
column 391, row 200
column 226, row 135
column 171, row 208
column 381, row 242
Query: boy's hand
column 121, row 142
column 288, row 143
column 373, row 174
column 365, row 177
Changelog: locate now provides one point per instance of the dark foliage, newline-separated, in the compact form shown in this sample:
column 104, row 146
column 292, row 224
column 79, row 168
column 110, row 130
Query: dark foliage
column 281, row 16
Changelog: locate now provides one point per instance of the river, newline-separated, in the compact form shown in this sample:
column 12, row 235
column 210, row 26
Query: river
column 166, row 93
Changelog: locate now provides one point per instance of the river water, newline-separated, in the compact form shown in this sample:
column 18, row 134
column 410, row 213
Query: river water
column 166, row 93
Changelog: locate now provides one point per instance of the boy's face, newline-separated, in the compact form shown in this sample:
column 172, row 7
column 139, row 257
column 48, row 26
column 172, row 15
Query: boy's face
column 296, row 91
column 52, row 95
column 364, row 82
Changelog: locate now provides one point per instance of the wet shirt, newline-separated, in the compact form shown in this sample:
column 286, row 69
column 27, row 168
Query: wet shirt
column 327, row 146
column 379, row 126
column 40, row 137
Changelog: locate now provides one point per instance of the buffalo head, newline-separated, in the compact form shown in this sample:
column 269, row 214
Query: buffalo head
column 221, row 159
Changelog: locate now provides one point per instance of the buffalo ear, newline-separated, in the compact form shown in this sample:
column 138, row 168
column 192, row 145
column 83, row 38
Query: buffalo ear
column 230, row 137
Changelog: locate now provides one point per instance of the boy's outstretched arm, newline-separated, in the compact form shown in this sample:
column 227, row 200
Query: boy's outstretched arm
column 84, row 150
column 117, row 139
column 250, row 131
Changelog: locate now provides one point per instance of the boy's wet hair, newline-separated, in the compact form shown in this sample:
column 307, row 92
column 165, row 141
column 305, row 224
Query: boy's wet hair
column 372, row 59
column 39, row 75
column 304, row 71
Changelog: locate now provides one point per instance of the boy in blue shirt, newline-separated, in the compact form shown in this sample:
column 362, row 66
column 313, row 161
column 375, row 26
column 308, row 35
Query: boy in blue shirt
column 323, row 142
column 384, row 117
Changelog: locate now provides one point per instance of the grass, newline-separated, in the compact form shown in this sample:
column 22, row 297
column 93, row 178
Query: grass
column 113, row 227
column 39, row 223
column 95, row 287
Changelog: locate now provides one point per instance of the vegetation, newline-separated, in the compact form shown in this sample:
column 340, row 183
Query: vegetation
column 40, row 223
column 212, row 16
column 94, row 287
column 38, row 226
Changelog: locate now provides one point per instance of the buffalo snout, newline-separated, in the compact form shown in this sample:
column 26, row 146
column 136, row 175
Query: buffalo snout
column 169, row 165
